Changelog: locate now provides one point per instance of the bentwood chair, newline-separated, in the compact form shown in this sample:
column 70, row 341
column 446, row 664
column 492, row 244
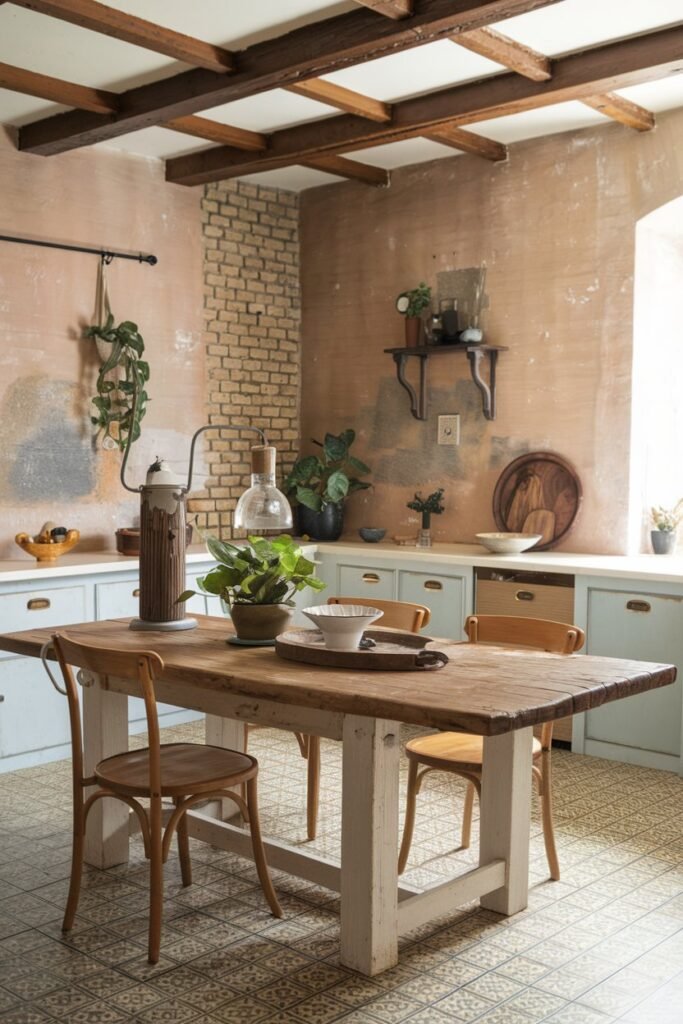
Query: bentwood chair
column 186, row 773
column 461, row 753
column 397, row 615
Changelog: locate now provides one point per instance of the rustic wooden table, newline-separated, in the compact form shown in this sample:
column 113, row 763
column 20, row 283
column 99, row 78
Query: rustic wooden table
column 496, row 692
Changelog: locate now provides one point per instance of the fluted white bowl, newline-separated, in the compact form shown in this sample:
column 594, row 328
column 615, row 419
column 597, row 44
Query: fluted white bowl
column 508, row 543
column 342, row 625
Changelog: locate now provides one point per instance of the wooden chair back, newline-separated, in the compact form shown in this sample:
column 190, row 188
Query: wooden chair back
column 518, row 631
column 397, row 614
column 137, row 665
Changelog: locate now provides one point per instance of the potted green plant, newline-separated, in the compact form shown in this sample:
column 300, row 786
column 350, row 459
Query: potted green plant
column 123, row 370
column 412, row 305
column 427, row 507
column 320, row 485
column 257, row 583
column 665, row 521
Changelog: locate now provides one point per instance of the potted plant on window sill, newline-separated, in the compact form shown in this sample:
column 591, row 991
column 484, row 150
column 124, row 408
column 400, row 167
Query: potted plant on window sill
column 257, row 583
column 320, row 485
column 665, row 521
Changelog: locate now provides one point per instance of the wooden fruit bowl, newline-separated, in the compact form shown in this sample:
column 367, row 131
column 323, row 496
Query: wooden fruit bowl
column 47, row 552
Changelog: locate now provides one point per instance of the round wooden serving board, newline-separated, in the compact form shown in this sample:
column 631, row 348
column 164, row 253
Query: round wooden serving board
column 538, row 493
column 394, row 651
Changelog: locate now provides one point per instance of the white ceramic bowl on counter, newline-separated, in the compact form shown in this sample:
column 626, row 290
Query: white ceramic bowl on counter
column 342, row 625
column 508, row 543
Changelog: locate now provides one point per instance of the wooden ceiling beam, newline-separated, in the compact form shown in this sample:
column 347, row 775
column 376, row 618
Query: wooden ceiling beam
column 343, row 99
column 580, row 75
column 396, row 9
column 352, row 169
column 214, row 131
column 468, row 142
column 30, row 83
column 622, row 110
column 508, row 52
column 130, row 29
column 307, row 52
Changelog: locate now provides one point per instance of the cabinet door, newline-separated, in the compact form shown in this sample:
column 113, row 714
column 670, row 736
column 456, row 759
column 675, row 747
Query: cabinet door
column 121, row 599
column 365, row 583
column 41, row 608
column 443, row 595
column 646, row 627
column 33, row 716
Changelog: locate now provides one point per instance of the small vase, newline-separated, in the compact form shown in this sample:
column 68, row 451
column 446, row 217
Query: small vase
column 663, row 541
column 424, row 538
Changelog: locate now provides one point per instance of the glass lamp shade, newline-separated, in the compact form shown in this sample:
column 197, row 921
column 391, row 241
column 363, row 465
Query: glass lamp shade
column 262, row 506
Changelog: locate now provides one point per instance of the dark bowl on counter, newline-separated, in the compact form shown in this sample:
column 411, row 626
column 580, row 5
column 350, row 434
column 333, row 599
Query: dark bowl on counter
column 371, row 534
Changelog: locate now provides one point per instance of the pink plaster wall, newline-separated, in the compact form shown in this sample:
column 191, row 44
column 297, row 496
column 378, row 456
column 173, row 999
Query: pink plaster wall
column 49, row 467
column 555, row 226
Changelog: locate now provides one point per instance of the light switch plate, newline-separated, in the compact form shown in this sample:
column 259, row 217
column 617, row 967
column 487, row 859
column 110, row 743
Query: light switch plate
column 449, row 430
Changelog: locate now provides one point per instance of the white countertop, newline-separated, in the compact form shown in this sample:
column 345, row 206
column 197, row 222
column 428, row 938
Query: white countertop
column 657, row 568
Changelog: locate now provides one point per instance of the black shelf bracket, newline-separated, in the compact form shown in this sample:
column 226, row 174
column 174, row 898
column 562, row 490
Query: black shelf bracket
column 476, row 356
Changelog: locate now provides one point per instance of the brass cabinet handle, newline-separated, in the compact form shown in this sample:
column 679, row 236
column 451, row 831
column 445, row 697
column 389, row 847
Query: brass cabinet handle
column 36, row 604
column 639, row 606
column 524, row 595
column 370, row 577
column 136, row 592
column 433, row 585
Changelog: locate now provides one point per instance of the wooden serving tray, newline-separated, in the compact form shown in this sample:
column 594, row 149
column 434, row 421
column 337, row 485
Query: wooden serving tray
column 394, row 651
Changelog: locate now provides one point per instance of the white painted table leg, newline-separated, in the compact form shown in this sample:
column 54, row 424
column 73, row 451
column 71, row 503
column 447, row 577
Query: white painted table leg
column 105, row 732
column 229, row 733
column 369, row 882
column 506, row 816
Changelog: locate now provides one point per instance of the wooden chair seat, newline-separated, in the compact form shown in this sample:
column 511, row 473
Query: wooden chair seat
column 449, row 749
column 185, row 768
column 462, row 754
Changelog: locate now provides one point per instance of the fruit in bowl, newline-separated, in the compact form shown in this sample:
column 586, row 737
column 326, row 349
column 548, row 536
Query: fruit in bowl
column 508, row 543
column 342, row 625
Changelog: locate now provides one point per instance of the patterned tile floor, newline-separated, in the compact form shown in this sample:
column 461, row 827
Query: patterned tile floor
column 603, row 944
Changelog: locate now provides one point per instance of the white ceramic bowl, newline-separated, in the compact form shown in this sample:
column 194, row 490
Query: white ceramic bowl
column 508, row 543
column 342, row 625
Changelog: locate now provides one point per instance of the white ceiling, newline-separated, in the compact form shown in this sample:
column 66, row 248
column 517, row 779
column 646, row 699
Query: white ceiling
column 45, row 45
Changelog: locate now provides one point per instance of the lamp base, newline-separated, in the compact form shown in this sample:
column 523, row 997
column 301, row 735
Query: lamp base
column 163, row 627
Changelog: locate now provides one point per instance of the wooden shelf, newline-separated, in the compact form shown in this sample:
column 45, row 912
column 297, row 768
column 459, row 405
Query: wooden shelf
column 476, row 355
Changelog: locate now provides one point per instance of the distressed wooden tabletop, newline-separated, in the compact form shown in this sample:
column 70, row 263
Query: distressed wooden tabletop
column 483, row 689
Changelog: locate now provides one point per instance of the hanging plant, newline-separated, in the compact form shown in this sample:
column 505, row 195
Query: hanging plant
column 115, row 396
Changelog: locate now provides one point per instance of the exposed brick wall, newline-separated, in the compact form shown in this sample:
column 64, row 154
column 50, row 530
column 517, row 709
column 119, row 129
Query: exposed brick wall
column 252, row 314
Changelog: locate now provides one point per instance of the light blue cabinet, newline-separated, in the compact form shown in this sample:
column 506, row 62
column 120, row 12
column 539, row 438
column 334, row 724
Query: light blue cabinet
column 447, row 591
column 645, row 624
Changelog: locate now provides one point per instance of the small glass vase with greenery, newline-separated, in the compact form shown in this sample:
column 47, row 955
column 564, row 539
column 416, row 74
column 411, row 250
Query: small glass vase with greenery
column 122, row 373
column 427, row 507
column 257, row 583
column 320, row 485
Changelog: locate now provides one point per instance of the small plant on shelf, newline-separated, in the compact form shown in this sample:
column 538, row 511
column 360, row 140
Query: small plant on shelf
column 667, row 519
column 427, row 507
column 415, row 301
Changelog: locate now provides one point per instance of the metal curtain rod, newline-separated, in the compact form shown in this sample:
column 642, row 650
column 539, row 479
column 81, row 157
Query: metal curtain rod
column 104, row 254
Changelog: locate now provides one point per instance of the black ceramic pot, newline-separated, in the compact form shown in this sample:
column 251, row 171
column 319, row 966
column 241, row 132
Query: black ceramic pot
column 324, row 525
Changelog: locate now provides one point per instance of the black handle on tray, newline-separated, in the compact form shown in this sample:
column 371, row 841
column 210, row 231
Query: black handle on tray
column 431, row 659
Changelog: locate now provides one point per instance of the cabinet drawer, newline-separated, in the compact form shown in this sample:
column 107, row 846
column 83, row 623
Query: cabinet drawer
column 531, row 600
column 121, row 599
column 443, row 595
column 40, row 608
column 33, row 716
column 645, row 627
column 357, row 581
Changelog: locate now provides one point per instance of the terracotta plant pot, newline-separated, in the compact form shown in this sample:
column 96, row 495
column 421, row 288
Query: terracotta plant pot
column 260, row 621
column 413, row 328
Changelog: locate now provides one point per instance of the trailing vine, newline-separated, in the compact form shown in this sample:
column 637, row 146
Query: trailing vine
column 115, row 397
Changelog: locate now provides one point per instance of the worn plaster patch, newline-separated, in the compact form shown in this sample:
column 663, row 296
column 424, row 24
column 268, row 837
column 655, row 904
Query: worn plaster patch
column 45, row 451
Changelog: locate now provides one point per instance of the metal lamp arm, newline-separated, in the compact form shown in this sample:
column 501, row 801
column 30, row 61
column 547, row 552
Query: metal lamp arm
column 218, row 426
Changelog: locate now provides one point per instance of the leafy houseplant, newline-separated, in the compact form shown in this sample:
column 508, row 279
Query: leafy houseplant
column 431, row 505
column 115, row 397
column 665, row 521
column 320, row 484
column 412, row 304
column 257, row 583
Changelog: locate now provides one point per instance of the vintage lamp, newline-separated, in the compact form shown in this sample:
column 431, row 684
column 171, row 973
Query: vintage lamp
column 163, row 528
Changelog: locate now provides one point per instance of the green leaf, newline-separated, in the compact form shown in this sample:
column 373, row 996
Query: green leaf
column 337, row 486
column 335, row 448
column 185, row 596
column 348, row 436
column 305, row 496
column 221, row 551
column 359, row 466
